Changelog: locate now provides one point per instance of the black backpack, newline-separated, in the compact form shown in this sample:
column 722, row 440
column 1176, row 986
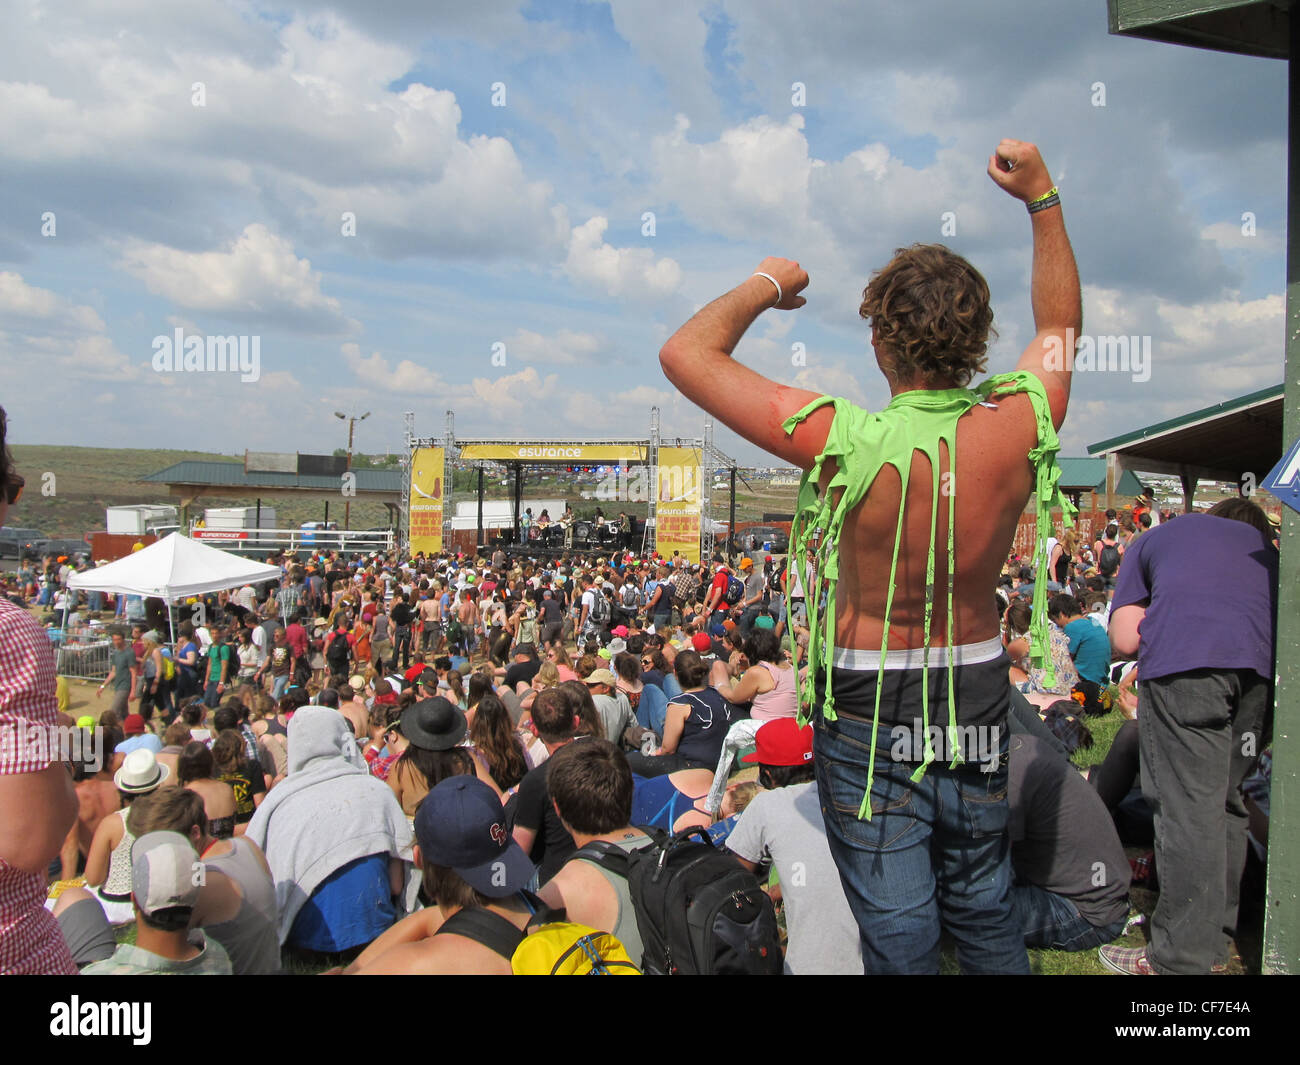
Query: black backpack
column 339, row 650
column 699, row 912
column 600, row 609
column 1108, row 562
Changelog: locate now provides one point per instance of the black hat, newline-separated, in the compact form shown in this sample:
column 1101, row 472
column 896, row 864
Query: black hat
column 435, row 724
column 428, row 677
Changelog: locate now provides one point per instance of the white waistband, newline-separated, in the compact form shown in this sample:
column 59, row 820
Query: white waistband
column 968, row 654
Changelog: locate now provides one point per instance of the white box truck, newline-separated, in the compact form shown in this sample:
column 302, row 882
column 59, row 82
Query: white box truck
column 139, row 519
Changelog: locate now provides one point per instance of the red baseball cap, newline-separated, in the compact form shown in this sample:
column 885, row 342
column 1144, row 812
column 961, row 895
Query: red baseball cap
column 701, row 642
column 133, row 725
column 783, row 742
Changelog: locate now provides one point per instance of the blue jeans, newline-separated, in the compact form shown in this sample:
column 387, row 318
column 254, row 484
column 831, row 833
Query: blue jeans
column 1051, row 921
column 934, row 854
column 278, row 686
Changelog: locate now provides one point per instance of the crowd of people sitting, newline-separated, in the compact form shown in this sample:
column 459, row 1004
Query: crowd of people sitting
column 369, row 751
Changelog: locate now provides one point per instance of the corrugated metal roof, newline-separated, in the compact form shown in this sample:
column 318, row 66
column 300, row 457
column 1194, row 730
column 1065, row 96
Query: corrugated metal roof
column 1222, row 443
column 232, row 475
column 1115, row 443
column 1082, row 472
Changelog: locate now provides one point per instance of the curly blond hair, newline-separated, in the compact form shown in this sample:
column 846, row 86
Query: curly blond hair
column 931, row 312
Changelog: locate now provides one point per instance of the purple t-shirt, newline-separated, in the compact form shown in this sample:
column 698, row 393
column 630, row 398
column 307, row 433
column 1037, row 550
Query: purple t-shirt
column 1212, row 586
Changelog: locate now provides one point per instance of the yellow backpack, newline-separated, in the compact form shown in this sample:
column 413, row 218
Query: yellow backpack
column 561, row 948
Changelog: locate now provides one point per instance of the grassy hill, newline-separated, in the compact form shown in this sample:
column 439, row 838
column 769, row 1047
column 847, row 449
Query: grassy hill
column 86, row 480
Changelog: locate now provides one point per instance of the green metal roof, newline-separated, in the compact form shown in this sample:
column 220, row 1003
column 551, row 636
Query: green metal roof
column 1248, row 27
column 1264, row 395
column 232, row 475
column 1089, row 475
column 1082, row 473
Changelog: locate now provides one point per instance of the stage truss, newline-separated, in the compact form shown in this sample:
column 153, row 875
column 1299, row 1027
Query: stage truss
column 712, row 461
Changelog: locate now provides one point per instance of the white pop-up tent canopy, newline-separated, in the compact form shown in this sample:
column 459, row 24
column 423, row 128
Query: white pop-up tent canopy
column 174, row 568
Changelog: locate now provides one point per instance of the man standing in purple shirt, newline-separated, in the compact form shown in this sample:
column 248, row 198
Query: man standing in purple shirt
column 1203, row 590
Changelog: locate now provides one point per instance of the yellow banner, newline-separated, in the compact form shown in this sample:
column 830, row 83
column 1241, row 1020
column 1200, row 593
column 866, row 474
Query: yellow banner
column 428, row 469
column 547, row 451
column 677, row 511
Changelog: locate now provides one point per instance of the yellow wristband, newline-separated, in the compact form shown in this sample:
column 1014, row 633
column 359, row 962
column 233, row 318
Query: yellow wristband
column 1045, row 196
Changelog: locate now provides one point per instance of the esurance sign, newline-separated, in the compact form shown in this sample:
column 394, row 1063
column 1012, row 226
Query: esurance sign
column 556, row 452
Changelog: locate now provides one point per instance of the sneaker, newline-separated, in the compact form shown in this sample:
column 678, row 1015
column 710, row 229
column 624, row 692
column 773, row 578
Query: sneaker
column 1127, row 961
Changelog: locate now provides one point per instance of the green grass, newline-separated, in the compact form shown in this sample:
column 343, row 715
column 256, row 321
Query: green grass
column 68, row 489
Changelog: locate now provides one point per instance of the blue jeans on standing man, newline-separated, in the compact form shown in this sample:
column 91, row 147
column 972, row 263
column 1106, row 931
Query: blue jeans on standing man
column 934, row 855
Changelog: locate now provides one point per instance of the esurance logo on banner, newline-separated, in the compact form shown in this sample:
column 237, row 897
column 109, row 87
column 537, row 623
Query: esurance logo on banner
column 677, row 514
column 549, row 453
column 428, row 466
column 560, row 452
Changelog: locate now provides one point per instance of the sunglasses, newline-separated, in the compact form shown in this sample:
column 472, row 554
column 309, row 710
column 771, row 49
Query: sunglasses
column 14, row 488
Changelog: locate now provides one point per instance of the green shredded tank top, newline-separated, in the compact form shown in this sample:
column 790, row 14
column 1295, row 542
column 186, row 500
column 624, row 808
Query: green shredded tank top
column 861, row 444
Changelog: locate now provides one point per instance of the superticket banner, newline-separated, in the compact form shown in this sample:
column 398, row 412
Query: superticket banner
column 677, row 511
column 428, row 467
column 554, row 452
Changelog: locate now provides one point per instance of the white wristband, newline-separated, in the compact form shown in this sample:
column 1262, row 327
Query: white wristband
column 779, row 294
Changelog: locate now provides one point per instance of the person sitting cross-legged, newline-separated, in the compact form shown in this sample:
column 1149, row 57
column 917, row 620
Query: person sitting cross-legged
column 164, row 891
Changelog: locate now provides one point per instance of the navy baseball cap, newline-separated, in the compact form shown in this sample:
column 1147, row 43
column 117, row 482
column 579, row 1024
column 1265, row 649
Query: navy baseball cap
column 461, row 825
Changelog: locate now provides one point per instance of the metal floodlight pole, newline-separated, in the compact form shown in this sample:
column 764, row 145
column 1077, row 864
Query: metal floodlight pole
column 408, row 419
column 352, row 426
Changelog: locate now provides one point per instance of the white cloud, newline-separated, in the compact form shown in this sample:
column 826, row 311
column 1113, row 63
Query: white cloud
column 751, row 183
column 513, row 394
column 49, row 338
column 1200, row 353
column 257, row 276
column 1231, row 235
column 671, row 38
column 622, row 413
column 624, row 272
column 566, row 347
column 23, row 303
column 406, row 377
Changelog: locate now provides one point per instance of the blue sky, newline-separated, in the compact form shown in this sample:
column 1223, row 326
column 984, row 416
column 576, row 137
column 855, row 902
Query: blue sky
column 522, row 225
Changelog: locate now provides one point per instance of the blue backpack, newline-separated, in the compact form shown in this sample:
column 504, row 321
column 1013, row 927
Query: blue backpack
column 735, row 590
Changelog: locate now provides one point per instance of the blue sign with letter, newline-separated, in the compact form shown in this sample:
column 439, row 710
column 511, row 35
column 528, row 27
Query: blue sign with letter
column 1283, row 480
